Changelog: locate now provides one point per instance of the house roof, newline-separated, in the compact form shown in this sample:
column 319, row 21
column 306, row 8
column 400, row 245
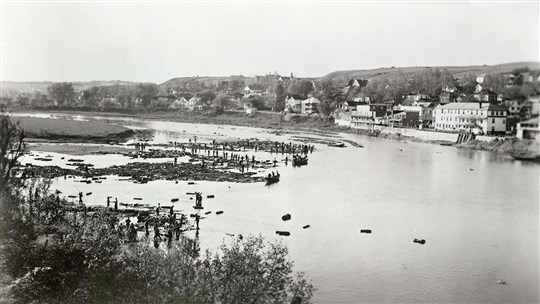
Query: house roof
column 486, row 91
column 255, row 86
column 473, row 106
column 531, row 121
column 352, row 103
column 311, row 100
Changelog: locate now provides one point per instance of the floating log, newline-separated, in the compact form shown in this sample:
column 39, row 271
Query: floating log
column 174, row 200
column 210, row 196
column 137, row 198
column 198, row 208
column 191, row 183
column 422, row 241
column 89, row 193
column 72, row 196
column 283, row 233
column 219, row 212
column 365, row 231
column 286, row 217
column 208, row 212
column 306, row 226
column 190, row 193
column 75, row 160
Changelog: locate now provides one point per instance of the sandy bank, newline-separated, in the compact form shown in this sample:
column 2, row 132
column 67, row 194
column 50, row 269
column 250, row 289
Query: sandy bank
column 71, row 130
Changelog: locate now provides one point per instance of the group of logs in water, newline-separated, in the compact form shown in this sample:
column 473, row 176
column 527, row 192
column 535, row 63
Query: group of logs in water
column 225, row 161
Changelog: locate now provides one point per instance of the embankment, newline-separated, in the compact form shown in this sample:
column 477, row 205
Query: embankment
column 72, row 131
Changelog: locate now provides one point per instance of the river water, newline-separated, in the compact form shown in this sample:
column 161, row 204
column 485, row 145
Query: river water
column 478, row 212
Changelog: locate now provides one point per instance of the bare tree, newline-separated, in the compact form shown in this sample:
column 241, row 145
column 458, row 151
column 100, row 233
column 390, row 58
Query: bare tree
column 12, row 146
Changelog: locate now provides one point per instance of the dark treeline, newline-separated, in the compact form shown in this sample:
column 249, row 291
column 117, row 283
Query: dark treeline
column 271, row 90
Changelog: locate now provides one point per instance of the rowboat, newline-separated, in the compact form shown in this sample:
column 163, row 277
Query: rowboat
column 272, row 179
column 526, row 157
column 337, row 144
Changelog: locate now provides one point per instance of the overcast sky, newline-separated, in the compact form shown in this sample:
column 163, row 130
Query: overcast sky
column 158, row 41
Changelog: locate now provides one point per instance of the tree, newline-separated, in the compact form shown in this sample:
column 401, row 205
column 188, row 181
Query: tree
column 279, row 90
column 146, row 92
column 494, row 82
column 222, row 101
column 330, row 95
column 469, row 83
column 248, row 272
column 206, row 95
column 12, row 146
column 63, row 93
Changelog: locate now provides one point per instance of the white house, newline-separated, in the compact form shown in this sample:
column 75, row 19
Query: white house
column 529, row 129
column 179, row 103
column 368, row 114
column 253, row 90
column 293, row 105
column 192, row 102
column 309, row 105
column 470, row 116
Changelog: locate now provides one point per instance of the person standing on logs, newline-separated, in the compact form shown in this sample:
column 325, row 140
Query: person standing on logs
column 198, row 200
column 146, row 226
column 80, row 198
column 169, row 236
column 115, row 204
column 197, row 218
column 157, row 234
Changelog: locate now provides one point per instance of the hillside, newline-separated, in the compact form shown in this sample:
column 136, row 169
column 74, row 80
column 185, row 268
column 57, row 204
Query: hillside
column 208, row 80
column 41, row 86
column 457, row 71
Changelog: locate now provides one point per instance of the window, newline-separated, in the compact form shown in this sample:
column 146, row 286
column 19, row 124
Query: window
column 493, row 120
column 504, row 121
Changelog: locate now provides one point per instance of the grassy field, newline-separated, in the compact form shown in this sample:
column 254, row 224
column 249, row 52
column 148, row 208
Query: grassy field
column 62, row 129
column 457, row 71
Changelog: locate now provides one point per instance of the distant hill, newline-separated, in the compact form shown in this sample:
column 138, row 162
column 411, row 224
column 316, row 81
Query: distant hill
column 208, row 81
column 31, row 86
column 457, row 71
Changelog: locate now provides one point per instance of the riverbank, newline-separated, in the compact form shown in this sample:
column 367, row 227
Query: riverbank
column 310, row 124
column 63, row 130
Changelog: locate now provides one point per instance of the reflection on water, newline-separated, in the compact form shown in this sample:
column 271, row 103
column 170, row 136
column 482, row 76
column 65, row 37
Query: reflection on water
column 478, row 212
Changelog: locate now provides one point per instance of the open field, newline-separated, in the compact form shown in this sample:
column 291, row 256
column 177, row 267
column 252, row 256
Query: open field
column 70, row 130
column 457, row 71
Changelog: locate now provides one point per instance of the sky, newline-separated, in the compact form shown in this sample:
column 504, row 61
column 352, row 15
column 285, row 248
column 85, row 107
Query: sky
column 157, row 41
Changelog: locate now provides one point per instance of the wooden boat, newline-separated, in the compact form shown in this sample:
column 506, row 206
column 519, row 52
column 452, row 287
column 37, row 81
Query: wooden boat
column 299, row 161
column 337, row 144
column 272, row 179
column 526, row 157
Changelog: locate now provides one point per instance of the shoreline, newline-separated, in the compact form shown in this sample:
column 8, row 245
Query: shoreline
column 279, row 122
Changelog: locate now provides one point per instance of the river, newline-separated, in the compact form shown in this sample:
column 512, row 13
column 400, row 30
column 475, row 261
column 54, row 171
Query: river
column 478, row 212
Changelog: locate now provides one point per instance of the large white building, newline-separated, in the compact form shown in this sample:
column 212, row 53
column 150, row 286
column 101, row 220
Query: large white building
column 309, row 106
column 476, row 117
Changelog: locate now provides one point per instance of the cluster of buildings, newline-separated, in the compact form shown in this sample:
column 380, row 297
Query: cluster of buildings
column 485, row 113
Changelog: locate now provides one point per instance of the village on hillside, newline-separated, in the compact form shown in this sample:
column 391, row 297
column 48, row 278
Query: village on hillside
column 496, row 104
